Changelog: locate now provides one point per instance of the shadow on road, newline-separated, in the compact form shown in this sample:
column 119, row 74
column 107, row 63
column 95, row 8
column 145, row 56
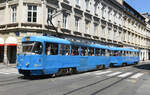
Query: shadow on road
column 143, row 66
column 33, row 77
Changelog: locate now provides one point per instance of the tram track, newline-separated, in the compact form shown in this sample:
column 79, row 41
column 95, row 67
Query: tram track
column 17, row 80
column 12, row 81
column 101, row 81
column 112, row 84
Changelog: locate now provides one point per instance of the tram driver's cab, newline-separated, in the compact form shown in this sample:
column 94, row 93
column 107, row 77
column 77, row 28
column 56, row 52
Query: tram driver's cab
column 31, row 57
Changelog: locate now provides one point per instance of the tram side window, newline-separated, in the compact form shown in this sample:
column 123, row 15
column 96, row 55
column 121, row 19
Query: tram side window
column 75, row 50
column 115, row 53
column 107, row 52
column 83, row 51
column 136, row 54
column 64, row 49
column 119, row 53
column 130, row 54
column 123, row 53
column 127, row 53
column 91, row 52
column 110, row 53
column 103, row 52
column 51, row 49
column 133, row 53
column 97, row 52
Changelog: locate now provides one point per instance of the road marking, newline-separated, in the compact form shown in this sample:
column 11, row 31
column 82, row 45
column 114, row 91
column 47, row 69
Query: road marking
column 4, row 73
column 9, row 72
column 137, row 75
column 125, row 74
column 105, row 72
column 132, row 81
column 113, row 74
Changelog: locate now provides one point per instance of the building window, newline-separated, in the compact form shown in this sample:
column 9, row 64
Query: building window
column 115, row 16
column 17, row 33
column 77, row 2
column 77, row 23
column 115, row 34
column 95, row 8
column 103, row 30
column 95, row 28
column 119, row 36
column 50, row 12
column 87, row 4
column 109, row 13
column 87, row 26
column 109, row 33
column 32, row 13
column 64, row 21
column 13, row 13
column 103, row 11
column 123, row 36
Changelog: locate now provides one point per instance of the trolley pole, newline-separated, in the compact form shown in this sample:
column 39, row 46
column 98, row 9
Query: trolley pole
column 50, row 18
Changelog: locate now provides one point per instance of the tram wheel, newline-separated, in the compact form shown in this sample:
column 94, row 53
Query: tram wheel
column 74, row 70
column 60, row 72
column 135, row 63
column 124, row 64
column 53, row 75
column 111, row 65
column 103, row 67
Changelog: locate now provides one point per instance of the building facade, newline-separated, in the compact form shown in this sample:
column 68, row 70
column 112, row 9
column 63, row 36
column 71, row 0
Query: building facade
column 108, row 22
column 147, row 20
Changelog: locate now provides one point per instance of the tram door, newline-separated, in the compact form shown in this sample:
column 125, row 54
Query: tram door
column 11, row 54
column 1, row 53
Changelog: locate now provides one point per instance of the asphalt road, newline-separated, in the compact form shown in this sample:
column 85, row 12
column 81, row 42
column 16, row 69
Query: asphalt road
column 130, row 80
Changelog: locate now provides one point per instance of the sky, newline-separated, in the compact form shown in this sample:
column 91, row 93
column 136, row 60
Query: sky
column 141, row 6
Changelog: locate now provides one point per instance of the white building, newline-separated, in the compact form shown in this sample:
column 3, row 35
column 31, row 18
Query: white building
column 109, row 22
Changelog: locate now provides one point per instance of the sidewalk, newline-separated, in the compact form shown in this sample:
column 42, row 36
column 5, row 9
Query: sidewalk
column 8, row 69
column 146, row 61
column 144, row 89
column 2, row 65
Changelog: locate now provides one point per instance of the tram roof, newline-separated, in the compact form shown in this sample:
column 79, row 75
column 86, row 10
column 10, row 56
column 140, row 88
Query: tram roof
column 46, row 39
column 63, row 41
column 59, row 40
column 99, row 46
column 123, row 49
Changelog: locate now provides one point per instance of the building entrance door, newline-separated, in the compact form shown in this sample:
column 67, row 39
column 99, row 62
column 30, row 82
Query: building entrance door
column 1, row 53
column 11, row 54
column 11, row 43
column 1, row 50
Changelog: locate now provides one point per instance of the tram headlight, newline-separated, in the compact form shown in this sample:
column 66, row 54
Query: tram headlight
column 27, row 64
column 37, row 65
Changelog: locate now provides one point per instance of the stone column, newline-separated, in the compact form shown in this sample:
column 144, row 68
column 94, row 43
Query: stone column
column 5, row 55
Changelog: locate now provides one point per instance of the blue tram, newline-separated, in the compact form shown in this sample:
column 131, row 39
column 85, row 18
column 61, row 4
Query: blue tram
column 123, row 56
column 43, row 55
column 50, row 55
